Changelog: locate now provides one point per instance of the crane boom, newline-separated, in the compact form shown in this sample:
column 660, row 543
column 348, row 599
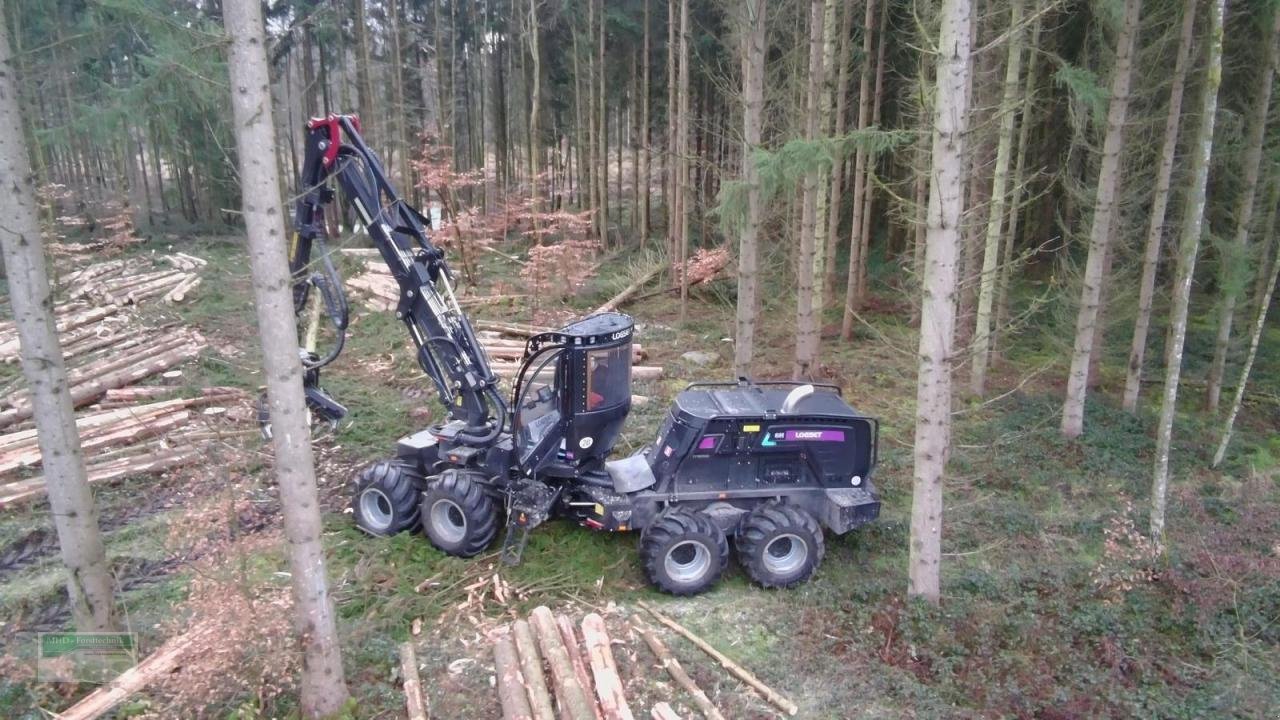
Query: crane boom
column 447, row 348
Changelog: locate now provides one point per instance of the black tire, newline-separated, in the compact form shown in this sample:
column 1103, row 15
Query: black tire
column 780, row 545
column 457, row 516
column 684, row 552
column 386, row 497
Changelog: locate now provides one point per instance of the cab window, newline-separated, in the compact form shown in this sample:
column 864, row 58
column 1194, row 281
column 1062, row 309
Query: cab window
column 608, row 377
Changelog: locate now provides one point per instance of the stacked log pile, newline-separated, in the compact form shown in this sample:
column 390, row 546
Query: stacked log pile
column 126, row 429
column 548, row 669
column 503, row 341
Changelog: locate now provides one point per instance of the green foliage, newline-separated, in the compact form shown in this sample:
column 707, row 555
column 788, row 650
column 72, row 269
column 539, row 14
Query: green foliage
column 1085, row 87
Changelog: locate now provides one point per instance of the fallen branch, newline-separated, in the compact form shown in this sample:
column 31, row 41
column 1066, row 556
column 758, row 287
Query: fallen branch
column 628, row 291
column 676, row 671
column 736, row 670
column 415, row 702
column 160, row 663
column 663, row 711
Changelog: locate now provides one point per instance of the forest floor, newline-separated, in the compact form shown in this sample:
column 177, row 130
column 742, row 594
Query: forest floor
column 1052, row 607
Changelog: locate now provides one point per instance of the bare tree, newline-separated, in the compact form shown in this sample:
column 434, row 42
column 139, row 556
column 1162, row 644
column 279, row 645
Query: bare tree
column 754, row 45
column 1159, row 204
column 1188, row 249
column 323, row 689
column 851, row 291
column 1232, row 283
column 937, row 313
column 1104, row 210
column 75, row 516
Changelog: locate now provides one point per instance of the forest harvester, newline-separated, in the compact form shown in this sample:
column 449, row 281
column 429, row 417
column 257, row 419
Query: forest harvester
column 767, row 465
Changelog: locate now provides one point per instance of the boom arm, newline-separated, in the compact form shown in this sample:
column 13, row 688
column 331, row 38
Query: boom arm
column 447, row 349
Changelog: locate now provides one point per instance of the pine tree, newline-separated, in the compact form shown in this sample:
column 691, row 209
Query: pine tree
column 1188, row 249
column 754, row 47
column 323, row 689
column 937, row 315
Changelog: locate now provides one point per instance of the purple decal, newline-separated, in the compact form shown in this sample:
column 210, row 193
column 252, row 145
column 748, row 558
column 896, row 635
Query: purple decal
column 815, row 436
column 708, row 442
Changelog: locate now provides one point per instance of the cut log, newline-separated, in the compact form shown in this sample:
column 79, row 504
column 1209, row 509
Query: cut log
column 676, row 671
column 9, row 349
column 514, row 329
column 571, row 699
column 535, row 680
column 415, row 703
column 122, row 434
column 663, row 711
column 158, row 664
column 630, row 290
column 511, row 683
column 774, row 698
column 574, row 648
column 16, row 492
column 92, row 389
column 184, row 288
column 609, row 690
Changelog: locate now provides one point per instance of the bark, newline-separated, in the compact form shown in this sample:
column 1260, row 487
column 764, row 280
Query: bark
column 322, row 687
column 869, row 191
column 602, row 177
column 980, row 349
column 1188, row 249
column 808, row 311
column 1103, row 215
column 364, row 91
column 937, row 313
column 754, row 47
column 401, row 120
column 859, row 181
column 572, row 699
column 1235, row 261
column 682, row 161
column 670, row 200
column 826, row 201
column 645, row 169
column 837, row 171
column 1019, row 171
column 89, row 584
column 511, row 681
column 604, row 670
column 1254, row 340
column 531, row 669
column 535, row 101
column 1159, row 204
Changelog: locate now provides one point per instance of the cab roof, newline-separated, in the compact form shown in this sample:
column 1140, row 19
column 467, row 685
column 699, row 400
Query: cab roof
column 708, row 401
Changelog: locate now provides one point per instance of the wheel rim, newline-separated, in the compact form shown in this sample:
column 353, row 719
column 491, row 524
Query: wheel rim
column 785, row 554
column 375, row 508
column 448, row 521
column 687, row 561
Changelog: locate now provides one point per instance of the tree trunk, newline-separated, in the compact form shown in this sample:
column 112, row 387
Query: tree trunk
column 1234, row 272
column 826, row 202
column 808, row 312
column 1103, row 215
column 671, row 201
column 682, row 160
column 980, row 349
column 603, row 175
column 535, row 101
column 1254, row 340
column 323, row 689
column 937, row 314
column 89, row 582
column 837, row 171
column 1159, row 204
column 754, row 48
column 645, row 170
column 1188, row 248
column 860, row 180
column 397, row 97
column 364, row 90
column 1019, row 172
column 869, row 190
